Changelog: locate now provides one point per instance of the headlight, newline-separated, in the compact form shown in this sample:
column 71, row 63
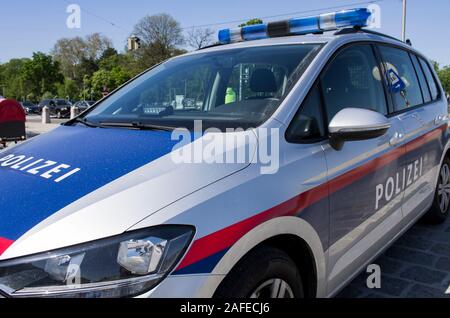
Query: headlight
column 121, row 266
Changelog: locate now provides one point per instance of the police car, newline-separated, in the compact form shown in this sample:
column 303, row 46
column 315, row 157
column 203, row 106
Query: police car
column 340, row 145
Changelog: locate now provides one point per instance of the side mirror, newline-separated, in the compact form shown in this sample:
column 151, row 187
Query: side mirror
column 353, row 124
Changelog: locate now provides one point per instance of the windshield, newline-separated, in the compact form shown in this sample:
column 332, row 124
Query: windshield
column 236, row 88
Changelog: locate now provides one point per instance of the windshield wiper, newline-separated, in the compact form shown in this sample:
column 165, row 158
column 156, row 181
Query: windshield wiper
column 137, row 125
column 82, row 121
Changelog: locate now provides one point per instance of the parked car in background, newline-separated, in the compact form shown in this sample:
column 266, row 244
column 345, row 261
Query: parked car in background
column 42, row 104
column 30, row 108
column 60, row 108
column 84, row 104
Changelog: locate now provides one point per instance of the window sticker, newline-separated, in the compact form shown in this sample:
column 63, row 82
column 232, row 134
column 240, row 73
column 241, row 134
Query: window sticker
column 396, row 83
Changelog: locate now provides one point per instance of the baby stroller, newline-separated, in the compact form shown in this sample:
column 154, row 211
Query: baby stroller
column 12, row 122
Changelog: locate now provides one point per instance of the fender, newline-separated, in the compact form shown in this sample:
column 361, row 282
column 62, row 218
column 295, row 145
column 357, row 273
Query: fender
column 275, row 227
column 447, row 145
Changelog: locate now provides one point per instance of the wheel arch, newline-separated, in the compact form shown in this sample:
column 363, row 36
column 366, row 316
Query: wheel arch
column 293, row 235
column 445, row 154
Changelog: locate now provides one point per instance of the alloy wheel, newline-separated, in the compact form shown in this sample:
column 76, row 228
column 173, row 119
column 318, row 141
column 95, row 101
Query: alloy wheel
column 273, row 288
column 444, row 189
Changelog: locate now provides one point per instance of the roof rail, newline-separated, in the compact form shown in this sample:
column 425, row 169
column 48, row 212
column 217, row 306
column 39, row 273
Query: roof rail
column 361, row 30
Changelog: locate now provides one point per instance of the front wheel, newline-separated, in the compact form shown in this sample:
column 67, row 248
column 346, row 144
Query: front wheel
column 441, row 203
column 264, row 273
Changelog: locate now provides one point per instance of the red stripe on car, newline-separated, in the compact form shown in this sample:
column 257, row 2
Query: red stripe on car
column 4, row 244
column 225, row 238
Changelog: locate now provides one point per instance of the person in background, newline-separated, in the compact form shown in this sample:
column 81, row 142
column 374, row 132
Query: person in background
column 230, row 96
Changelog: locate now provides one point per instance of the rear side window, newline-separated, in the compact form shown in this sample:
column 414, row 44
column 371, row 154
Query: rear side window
column 422, row 79
column 430, row 79
column 308, row 124
column 403, row 82
column 353, row 80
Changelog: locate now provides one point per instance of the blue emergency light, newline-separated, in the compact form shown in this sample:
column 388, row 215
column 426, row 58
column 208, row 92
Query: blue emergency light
column 297, row 26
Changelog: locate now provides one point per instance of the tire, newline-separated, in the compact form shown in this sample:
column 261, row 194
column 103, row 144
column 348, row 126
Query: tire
column 441, row 203
column 265, row 272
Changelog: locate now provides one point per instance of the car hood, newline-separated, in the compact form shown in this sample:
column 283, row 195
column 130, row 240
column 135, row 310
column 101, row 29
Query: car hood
column 78, row 184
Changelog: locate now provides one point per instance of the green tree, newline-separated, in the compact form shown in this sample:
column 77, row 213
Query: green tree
column 435, row 65
column 48, row 95
column 11, row 79
column 444, row 77
column 160, row 35
column 68, row 89
column 72, row 53
column 251, row 22
column 41, row 74
column 108, row 79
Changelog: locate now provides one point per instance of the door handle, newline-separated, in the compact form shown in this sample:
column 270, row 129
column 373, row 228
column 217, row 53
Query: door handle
column 440, row 119
column 396, row 139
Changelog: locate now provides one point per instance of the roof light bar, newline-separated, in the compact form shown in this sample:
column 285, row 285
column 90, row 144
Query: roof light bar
column 297, row 26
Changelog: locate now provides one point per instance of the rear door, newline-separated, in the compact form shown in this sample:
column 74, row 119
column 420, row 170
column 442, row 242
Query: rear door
column 434, row 114
column 365, row 200
column 419, row 117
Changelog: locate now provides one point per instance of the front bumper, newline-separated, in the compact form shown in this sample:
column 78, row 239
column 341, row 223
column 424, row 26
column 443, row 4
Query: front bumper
column 186, row 286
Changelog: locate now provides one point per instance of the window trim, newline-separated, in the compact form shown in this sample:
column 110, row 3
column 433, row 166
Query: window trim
column 414, row 56
column 436, row 82
column 417, row 77
column 317, row 85
column 387, row 93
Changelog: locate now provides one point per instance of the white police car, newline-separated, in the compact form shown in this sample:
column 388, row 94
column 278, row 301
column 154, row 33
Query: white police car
column 303, row 157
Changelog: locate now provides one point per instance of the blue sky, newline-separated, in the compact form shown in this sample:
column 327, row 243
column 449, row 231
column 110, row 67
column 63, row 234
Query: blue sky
column 27, row 26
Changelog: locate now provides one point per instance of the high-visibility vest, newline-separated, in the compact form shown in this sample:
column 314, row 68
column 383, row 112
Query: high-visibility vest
column 230, row 96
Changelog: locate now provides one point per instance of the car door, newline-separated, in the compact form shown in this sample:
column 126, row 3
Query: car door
column 304, row 166
column 434, row 115
column 421, row 124
column 365, row 200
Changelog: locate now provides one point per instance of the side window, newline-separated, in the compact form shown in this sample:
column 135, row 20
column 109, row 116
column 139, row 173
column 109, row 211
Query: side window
column 430, row 79
column 353, row 80
column 422, row 79
column 308, row 124
column 403, row 82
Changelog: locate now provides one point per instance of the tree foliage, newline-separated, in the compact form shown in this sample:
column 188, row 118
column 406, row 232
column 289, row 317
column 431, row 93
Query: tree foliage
column 198, row 38
column 251, row 22
column 160, row 28
column 444, row 76
column 41, row 74
column 81, row 67
column 160, row 37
